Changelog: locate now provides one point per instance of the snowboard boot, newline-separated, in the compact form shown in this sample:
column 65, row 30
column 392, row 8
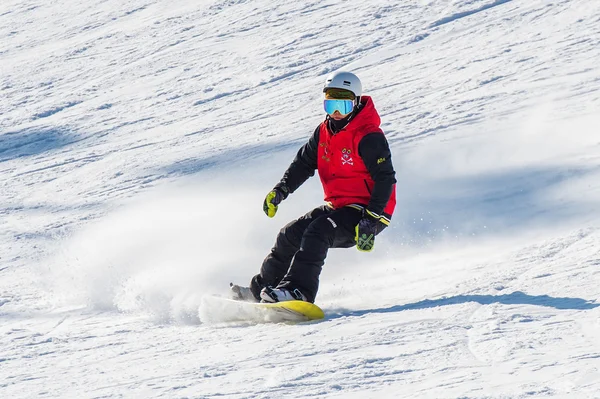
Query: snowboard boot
column 269, row 294
column 240, row 293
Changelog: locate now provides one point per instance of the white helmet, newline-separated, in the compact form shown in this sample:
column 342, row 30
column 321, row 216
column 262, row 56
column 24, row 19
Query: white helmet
column 344, row 80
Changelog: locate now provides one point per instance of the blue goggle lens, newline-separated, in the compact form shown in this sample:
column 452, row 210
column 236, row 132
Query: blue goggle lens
column 344, row 106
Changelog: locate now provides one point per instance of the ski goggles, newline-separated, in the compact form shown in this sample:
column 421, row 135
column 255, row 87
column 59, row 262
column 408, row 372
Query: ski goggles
column 343, row 106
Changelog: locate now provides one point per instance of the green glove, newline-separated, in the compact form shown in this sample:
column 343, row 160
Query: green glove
column 366, row 229
column 273, row 199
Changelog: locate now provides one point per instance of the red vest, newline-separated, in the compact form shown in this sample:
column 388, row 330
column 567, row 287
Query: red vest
column 344, row 176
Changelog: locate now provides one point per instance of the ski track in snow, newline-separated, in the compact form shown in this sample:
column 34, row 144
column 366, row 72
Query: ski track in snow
column 137, row 141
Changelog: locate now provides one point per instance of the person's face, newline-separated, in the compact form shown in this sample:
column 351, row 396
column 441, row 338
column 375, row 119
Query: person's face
column 338, row 116
column 338, row 108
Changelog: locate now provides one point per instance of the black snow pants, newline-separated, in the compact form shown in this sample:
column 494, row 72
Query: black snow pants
column 301, row 247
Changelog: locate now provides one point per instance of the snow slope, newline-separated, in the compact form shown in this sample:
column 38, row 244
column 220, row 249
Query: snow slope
column 138, row 138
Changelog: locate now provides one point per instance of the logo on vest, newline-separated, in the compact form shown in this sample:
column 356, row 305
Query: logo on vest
column 346, row 157
column 325, row 157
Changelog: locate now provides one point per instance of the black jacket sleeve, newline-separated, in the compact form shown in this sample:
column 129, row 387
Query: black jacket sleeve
column 303, row 166
column 375, row 153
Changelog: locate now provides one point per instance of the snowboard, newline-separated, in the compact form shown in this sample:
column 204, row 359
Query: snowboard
column 225, row 309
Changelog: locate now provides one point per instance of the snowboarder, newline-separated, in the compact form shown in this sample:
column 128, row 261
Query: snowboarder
column 352, row 156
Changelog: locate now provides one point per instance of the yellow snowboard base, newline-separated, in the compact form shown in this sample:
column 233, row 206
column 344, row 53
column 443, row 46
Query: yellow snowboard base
column 306, row 309
column 219, row 309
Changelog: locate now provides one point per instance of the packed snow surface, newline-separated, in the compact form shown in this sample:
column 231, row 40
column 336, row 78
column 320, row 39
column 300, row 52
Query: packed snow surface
column 138, row 139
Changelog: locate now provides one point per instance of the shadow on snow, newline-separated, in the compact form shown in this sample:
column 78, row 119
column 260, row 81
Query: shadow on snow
column 33, row 141
column 490, row 202
column 515, row 298
column 248, row 155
